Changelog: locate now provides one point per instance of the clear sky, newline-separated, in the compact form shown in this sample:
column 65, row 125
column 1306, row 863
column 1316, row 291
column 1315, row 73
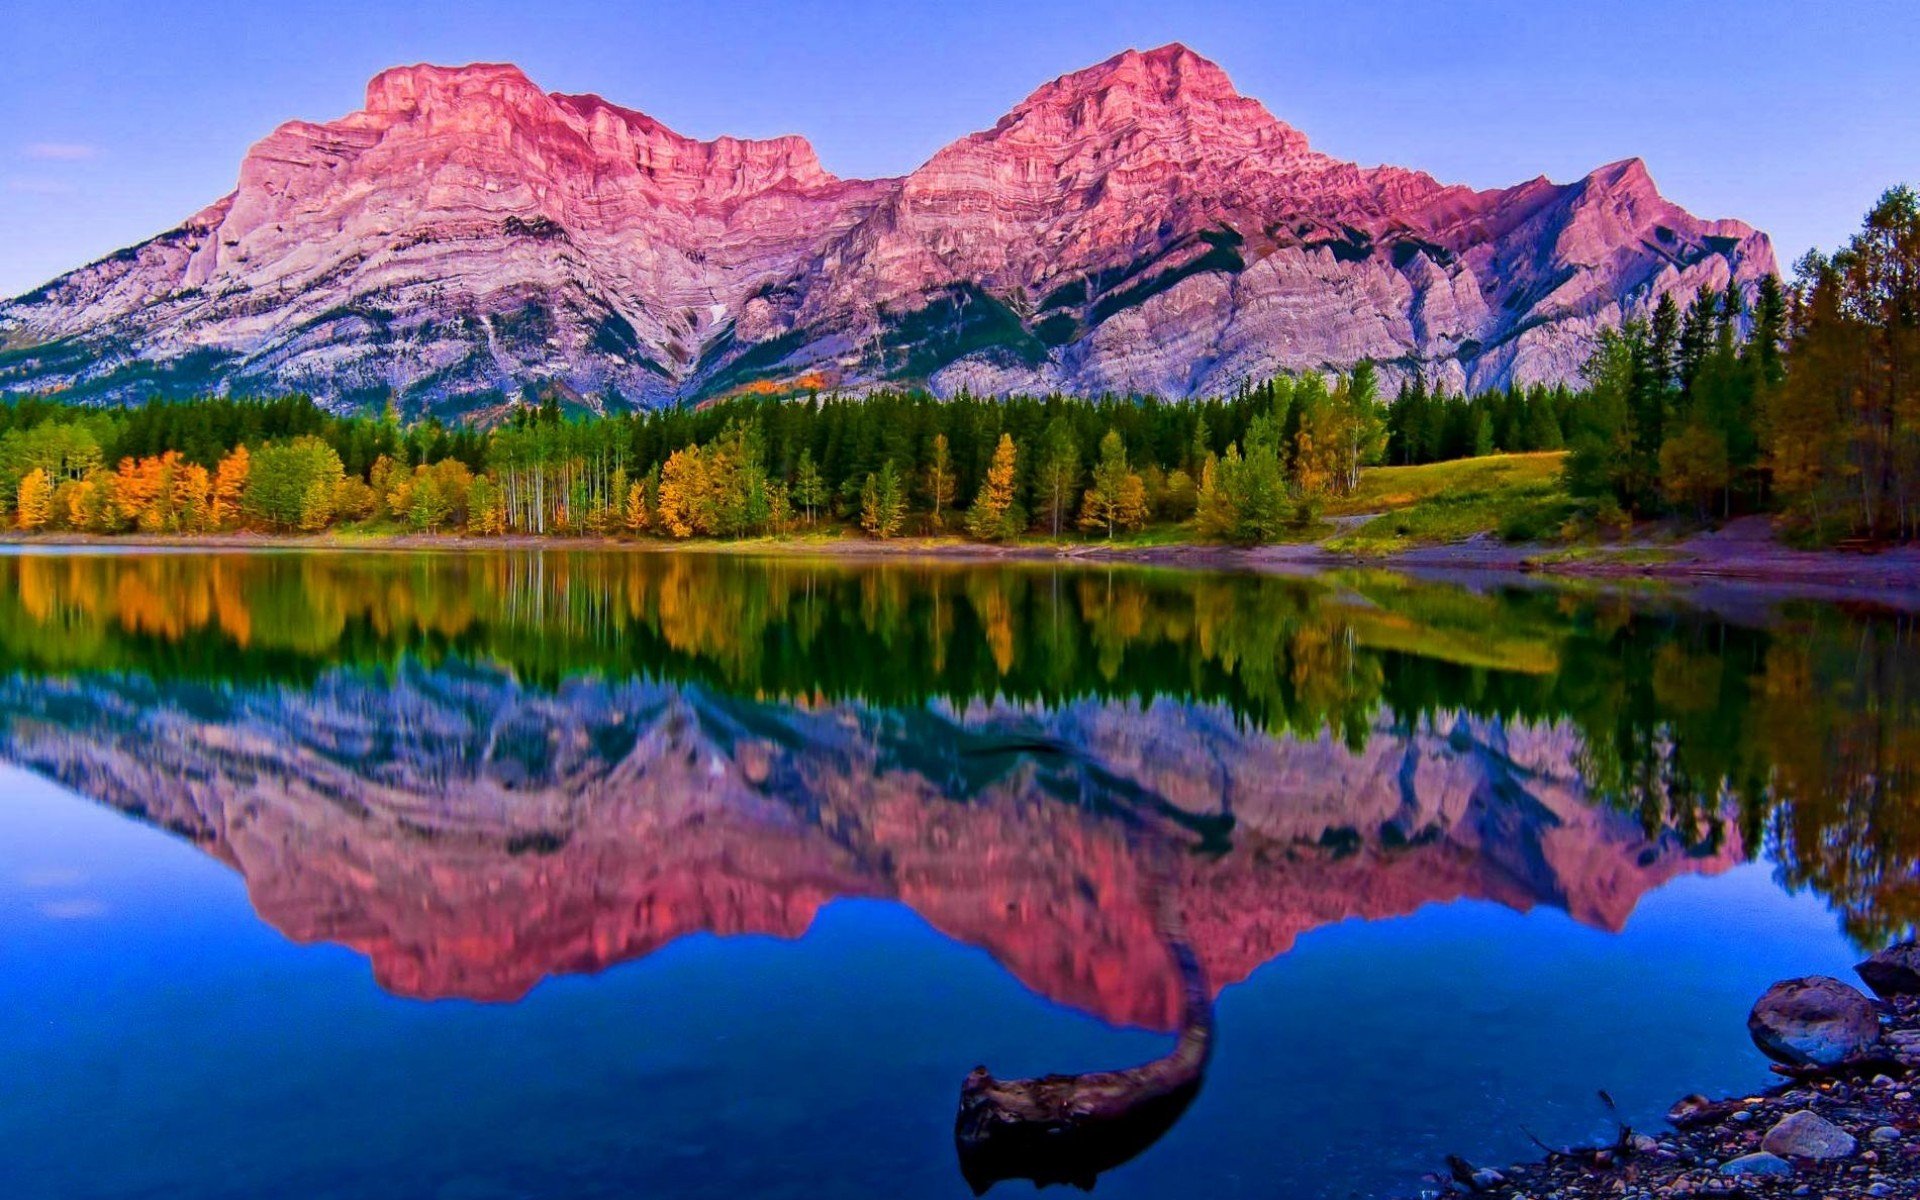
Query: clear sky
column 117, row 120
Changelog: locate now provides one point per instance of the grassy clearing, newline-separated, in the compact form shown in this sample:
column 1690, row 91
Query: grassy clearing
column 1384, row 489
column 1517, row 497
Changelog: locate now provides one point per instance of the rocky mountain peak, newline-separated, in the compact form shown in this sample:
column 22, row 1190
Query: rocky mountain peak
column 1170, row 91
column 1136, row 226
column 1171, row 74
column 425, row 86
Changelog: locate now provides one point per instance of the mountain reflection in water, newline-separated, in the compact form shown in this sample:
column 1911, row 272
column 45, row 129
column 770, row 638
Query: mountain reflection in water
column 483, row 770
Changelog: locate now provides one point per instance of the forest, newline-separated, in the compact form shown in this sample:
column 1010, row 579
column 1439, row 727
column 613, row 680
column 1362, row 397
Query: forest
column 1799, row 400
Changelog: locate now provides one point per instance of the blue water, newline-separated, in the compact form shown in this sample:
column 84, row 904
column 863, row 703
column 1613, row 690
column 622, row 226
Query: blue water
column 399, row 876
column 161, row 1041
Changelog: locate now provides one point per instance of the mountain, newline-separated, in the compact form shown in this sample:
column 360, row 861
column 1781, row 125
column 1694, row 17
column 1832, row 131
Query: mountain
column 1135, row 226
column 472, row 835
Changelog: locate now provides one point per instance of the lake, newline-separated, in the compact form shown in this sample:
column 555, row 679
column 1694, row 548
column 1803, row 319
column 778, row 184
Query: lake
column 475, row 875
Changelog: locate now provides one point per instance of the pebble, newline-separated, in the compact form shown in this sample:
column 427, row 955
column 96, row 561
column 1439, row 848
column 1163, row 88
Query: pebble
column 1885, row 1135
column 1743, row 1116
column 1761, row 1163
column 1808, row 1135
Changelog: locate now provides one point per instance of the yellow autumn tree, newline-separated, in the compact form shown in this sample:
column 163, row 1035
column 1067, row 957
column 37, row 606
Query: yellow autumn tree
column 634, row 515
column 90, row 504
column 162, row 493
column 193, row 498
column 138, row 488
column 993, row 515
column 683, row 492
column 229, row 482
column 35, row 499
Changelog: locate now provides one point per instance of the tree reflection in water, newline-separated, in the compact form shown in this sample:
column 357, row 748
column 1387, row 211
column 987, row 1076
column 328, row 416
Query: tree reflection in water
column 483, row 769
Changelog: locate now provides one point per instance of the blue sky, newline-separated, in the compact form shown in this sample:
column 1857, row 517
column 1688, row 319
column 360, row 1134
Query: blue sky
column 118, row 120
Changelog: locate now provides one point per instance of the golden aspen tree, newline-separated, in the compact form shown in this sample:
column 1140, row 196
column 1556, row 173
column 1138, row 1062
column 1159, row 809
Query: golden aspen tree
column 229, row 482
column 634, row 514
column 35, row 499
column 992, row 515
column 193, row 498
column 683, row 488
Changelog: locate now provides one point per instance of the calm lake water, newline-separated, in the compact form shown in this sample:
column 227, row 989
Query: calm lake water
column 680, row 875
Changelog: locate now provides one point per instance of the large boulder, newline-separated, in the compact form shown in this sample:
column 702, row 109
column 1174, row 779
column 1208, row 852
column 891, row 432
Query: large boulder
column 1808, row 1135
column 1894, row 971
column 1813, row 1022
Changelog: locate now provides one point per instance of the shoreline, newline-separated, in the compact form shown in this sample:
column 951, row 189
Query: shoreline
column 1843, row 1123
column 1740, row 555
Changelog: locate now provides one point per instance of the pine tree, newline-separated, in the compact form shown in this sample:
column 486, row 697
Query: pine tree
column 1200, row 449
column 1059, row 476
column 883, row 502
column 1542, row 429
column 1216, row 515
column 1767, row 342
column 1118, row 496
column 1696, row 338
column 1665, row 348
column 809, row 489
column 1260, row 491
column 1482, row 435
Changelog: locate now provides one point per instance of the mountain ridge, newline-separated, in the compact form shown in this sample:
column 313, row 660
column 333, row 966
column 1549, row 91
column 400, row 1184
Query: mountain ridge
column 1136, row 226
column 498, row 835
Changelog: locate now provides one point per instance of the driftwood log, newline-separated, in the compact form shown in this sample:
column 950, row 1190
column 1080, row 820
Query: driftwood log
column 1070, row 1128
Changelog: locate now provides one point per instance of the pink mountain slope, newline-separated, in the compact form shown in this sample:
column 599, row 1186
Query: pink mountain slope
column 1136, row 226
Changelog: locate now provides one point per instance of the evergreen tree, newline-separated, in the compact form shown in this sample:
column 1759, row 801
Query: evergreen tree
column 1058, row 479
column 1118, row 495
column 883, row 502
column 809, row 489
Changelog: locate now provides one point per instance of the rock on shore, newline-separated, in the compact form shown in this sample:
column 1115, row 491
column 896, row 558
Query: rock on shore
column 1845, row 1126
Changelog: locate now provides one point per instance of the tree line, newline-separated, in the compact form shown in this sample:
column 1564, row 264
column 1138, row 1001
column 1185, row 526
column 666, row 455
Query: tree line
column 1428, row 425
column 888, row 463
column 1802, row 401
